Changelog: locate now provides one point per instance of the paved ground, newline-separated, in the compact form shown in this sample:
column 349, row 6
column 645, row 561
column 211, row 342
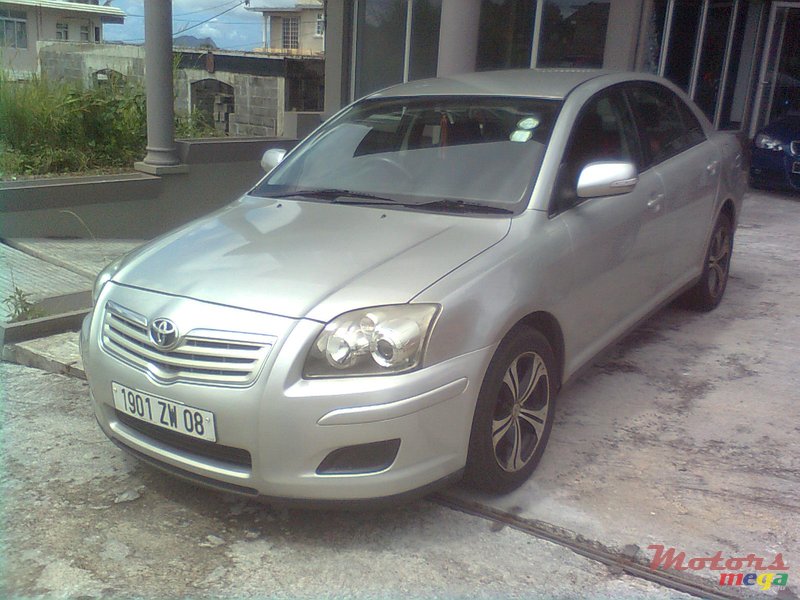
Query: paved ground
column 85, row 257
column 688, row 434
column 38, row 278
column 685, row 435
column 85, row 521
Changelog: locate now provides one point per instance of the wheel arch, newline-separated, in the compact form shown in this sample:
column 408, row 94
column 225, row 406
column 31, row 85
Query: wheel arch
column 729, row 209
column 546, row 324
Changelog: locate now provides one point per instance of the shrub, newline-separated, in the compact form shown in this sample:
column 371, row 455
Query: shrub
column 48, row 127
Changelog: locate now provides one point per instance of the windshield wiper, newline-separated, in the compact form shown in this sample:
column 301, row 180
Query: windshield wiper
column 338, row 196
column 449, row 205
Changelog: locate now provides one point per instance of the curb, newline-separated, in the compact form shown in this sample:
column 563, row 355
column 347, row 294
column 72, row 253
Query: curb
column 12, row 333
column 28, row 358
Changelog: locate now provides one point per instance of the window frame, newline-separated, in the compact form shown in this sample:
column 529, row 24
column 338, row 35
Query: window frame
column 85, row 30
column 62, row 31
column 18, row 19
column 320, row 30
column 619, row 98
column 683, row 110
column 290, row 28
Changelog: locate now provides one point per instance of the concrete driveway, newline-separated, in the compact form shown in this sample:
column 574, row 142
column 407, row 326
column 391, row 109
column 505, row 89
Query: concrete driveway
column 685, row 435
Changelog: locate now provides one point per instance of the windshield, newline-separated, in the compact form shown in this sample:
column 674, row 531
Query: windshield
column 476, row 151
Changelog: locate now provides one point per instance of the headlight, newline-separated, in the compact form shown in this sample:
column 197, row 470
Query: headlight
column 372, row 341
column 103, row 278
column 766, row 142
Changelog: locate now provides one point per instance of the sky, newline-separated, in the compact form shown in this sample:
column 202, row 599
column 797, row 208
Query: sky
column 237, row 29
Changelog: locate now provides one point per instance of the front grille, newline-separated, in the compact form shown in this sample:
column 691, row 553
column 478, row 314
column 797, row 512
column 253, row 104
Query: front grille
column 795, row 146
column 201, row 356
column 202, row 448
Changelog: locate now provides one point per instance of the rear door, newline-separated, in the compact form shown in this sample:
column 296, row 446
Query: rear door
column 688, row 163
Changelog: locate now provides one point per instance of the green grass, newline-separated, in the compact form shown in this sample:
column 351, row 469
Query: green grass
column 51, row 127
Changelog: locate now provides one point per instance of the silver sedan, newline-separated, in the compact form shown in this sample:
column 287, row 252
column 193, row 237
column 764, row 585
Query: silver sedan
column 398, row 302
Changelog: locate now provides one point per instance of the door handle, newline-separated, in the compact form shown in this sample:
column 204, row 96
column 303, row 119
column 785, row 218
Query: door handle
column 712, row 167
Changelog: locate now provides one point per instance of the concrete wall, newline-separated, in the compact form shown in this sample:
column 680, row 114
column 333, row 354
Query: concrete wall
column 135, row 205
column 259, row 100
column 78, row 62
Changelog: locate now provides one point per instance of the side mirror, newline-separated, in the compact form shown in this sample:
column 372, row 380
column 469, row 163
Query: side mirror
column 272, row 158
column 607, row 179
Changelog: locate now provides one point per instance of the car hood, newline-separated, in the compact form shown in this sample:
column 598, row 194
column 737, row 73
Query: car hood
column 309, row 259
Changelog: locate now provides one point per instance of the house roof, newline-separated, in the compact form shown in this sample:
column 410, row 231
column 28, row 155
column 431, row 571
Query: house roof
column 109, row 11
column 284, row 5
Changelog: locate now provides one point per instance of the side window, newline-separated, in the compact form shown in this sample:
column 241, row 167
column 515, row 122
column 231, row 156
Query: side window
column 694, row 131
column 666, row 124
column 604, row 131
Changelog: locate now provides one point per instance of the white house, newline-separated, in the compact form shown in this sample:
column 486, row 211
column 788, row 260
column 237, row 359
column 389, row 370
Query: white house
column 24, row 23
column 293, row 27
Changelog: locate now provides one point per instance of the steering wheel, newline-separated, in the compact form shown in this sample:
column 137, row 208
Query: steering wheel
column 384, row 162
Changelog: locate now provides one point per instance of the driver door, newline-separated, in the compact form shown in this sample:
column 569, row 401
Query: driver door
column 617, row 241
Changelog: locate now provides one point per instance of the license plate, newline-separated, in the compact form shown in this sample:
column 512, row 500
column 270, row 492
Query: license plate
column 165, row 413
column 796, row 167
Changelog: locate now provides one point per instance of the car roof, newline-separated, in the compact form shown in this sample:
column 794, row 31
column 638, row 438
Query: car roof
column 540, row 83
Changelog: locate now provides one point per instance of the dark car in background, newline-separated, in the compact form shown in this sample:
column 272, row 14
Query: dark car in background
column 775, row 162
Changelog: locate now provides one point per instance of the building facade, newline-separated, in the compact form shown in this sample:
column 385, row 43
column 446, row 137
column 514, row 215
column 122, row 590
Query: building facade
column 25, row 23
column 738, row 59
column 292, row 27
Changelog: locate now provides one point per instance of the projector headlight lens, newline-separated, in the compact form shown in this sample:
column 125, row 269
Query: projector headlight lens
column 372, row 341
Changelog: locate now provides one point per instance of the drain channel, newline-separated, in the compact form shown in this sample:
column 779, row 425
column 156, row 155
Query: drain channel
column 591, row 550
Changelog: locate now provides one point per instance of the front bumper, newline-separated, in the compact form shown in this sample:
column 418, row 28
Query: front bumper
column 774, row 170
column 289, row 425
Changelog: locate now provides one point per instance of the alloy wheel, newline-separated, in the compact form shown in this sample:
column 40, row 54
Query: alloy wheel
column 520, row 413
column 719, row 261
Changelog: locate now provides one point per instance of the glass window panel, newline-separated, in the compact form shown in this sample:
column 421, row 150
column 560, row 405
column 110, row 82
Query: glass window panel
column 505, row 35
column 424, row 52
column 744, row 39
column 715, row 39
column 682, row 42
column 573, row 33
column 666, row 124
column 425, row 149
column 10, row 34
column 291, row 33
column 380, row 44
column 22, row 35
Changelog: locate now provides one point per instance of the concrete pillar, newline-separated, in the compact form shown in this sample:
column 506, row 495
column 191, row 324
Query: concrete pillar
column 458, row 36
column 338, row 52
column 625, row 27
column 161, row 150
column 267, row 31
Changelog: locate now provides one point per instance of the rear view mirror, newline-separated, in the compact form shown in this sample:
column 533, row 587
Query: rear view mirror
column 272, row 158
column 607, row 179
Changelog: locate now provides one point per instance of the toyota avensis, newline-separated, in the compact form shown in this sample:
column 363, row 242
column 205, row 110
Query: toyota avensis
column 398, row 302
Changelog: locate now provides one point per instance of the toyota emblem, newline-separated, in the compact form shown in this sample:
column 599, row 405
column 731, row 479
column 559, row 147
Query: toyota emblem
column 164, row 333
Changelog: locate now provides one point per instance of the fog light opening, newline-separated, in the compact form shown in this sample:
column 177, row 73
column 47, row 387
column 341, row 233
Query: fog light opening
column 360, row 459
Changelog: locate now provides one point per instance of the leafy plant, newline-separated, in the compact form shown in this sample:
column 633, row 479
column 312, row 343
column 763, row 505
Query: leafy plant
column 62, row 127
column 19, row 306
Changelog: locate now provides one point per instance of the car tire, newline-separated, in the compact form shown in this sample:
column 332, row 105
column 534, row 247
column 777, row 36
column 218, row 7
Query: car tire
column 708, row 291
column 514, row 413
